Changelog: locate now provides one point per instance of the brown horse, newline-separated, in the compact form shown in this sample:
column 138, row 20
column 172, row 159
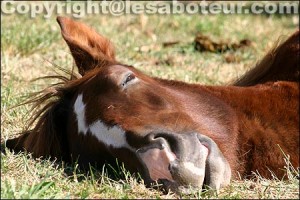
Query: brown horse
column 169, row 131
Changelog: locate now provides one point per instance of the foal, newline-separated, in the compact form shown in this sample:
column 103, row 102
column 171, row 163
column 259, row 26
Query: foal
column 169, row 131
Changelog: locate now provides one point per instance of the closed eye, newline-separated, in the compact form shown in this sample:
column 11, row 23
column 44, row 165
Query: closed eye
column 128, row 79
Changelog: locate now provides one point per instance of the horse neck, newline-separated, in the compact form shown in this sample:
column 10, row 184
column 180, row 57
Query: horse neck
column 261, row 100
column 267, row 102
column 266, row 114
column 250, row 116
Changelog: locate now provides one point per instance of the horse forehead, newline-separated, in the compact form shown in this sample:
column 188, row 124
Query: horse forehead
column 113, row 136
column 116, row 71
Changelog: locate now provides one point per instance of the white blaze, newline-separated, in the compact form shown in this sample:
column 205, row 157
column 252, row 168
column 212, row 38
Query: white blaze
column 113, row 136
column 110, row 136
column 79, row 109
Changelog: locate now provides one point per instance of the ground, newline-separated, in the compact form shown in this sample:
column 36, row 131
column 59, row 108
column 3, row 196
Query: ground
column 30, row 48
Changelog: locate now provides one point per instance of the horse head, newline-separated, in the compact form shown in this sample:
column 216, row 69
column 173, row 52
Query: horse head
column 138, row 119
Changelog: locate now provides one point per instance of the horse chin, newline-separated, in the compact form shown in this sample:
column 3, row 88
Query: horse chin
column 176, row 165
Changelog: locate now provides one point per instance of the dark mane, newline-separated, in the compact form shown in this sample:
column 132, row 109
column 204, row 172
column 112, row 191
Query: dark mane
column 280, row 64
column 47, row 124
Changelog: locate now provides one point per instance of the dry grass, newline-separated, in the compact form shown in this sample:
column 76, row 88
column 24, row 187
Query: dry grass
column 29, row 46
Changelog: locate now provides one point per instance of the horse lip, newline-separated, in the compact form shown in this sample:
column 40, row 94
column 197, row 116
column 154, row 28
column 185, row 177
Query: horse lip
column 156, row 159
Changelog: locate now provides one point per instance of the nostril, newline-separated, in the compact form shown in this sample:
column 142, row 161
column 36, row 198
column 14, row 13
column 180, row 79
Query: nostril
column 164, row 140
column 155, row 138
column 160, row 142
column 150, row 136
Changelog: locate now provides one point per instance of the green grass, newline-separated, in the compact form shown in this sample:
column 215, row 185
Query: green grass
column 29, row 46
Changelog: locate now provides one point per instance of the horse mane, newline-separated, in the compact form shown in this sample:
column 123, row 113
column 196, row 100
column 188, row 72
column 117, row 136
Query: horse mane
column 45, row 134
column 281, row 63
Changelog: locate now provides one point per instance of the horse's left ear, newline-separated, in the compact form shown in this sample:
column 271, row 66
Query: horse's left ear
column 88, row 48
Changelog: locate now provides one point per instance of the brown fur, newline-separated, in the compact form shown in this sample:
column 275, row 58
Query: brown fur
column 247, row 123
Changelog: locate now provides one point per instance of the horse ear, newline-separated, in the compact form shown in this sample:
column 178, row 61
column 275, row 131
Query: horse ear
column 89, row 49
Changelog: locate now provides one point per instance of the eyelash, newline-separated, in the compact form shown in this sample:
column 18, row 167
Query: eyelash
column 128, row 79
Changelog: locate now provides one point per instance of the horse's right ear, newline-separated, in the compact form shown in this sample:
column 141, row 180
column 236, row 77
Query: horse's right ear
column 89, row 49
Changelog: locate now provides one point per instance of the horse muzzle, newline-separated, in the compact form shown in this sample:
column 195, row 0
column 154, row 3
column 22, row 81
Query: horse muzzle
column 184, row 160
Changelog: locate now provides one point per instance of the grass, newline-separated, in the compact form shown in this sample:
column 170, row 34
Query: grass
column 29, row 46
